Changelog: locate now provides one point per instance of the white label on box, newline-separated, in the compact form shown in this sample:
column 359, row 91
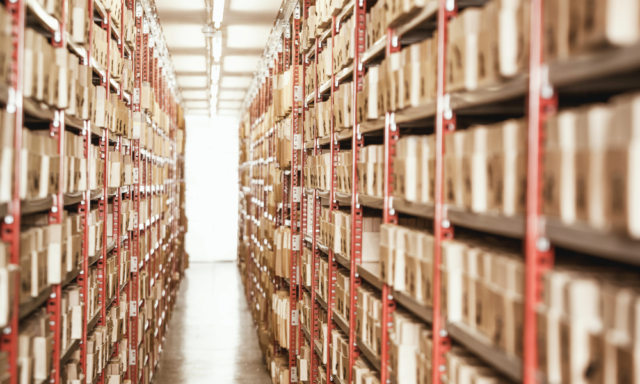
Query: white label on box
column 273, row 368
column 294, row 317
column 297, row 142
column 133, row 308
column 297, row 194
column 295, row 246
column 134, row 264
column 294, row 374
column 297, row 93
column 304, row 376
column 132, row 356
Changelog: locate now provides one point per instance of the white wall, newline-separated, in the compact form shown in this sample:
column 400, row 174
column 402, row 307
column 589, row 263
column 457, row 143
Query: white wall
column 211, row 176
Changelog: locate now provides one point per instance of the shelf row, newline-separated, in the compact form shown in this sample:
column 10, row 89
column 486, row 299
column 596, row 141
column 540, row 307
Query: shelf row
column 578, row 237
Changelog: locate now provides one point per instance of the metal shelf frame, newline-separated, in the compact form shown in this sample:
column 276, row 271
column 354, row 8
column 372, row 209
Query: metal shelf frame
column 531, row 226
column 59, row 123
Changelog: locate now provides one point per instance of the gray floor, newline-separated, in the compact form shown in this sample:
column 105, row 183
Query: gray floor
column 211, row 337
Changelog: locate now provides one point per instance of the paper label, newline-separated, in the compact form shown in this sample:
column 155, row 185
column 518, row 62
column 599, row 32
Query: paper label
column 297, row 194
column 294, row 374
column 132, row 356
column 295, row 246
column 297, row 142
column 133, row 308
column 134, row 264
column 294, row 317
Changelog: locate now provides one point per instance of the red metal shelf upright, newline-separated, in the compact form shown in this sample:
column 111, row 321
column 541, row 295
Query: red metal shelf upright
column 538, row 251
column 359, row 38
column 295, row 193
column 10, row 227
column 389, row 216
column 136, row 235
column 315, row 306
column 56, row 130
column 333, row 204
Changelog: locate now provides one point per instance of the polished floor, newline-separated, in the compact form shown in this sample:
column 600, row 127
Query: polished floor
column 211, row 338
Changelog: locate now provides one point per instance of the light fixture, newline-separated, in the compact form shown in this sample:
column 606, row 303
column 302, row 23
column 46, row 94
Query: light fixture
column 217, row 45
column 218, row 11
column 215, row 73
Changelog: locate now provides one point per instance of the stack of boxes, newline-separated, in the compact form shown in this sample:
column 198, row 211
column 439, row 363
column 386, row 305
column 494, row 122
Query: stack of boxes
column 40, row 165
column 317, row 171
column 343, row 295
column 588, row 315
column 590, row 172
column 364, row 373
column 371, row 171
column 483, row 287
column 413, row 165
column 335, row 231
column 407, row 336
column 7, row 123
column 344, row 171
column 339, row 350
column 280, row 317
column 35, row 349
column 72, row 316
column 368, row 316
column 461, row 366
column 343, row 107
column 8, row 275
column 406, row 259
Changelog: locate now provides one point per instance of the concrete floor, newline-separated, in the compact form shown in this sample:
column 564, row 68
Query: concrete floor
column 211, row 337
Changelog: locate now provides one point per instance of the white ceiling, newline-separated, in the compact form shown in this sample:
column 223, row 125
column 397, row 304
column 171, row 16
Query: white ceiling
column 245, row 29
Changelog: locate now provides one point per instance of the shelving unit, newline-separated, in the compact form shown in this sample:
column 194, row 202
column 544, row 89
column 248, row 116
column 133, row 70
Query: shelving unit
column 154, row 113
column 538, row 234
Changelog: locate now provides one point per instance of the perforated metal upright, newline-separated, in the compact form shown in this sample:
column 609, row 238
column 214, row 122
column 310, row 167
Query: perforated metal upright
column 103, row 202
column 357, row 140
column 295, row 193
column 315, row 306
column 136, row 235
column 333, row 205
column 10, row 227
column 539, row 256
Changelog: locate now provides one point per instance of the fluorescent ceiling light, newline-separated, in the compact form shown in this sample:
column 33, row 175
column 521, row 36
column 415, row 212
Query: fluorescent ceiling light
column 196, row 104
column 194, row 95
column 183, row 36
column 240, row 63
column 229, row 104
column 247, row 36
column 271, row 6
column 235, row 82
column 215, row 73
column 231, row 95
column 217, row 45
column 193, row 81
column 189, row 63
column 218, row 11
column 227, row 112
column 164, row 6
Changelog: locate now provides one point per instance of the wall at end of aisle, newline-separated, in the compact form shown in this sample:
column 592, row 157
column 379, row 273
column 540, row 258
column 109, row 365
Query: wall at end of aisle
column 211, row 176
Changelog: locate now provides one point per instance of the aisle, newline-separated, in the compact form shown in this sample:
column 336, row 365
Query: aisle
column 211, row 337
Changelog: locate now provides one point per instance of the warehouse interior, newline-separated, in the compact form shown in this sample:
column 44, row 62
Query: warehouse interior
column 320, row 191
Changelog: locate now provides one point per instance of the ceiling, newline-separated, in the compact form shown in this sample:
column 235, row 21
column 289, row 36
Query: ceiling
column 245, row 28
